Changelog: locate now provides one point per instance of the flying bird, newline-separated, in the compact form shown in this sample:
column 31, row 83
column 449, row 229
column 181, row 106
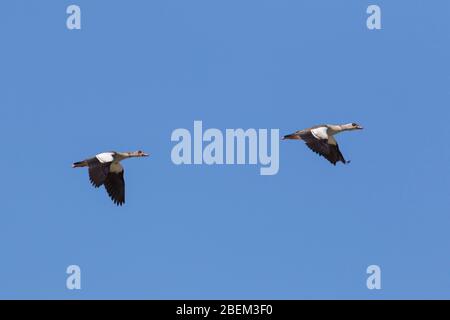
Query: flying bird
column 320, row 139
column 105, row 169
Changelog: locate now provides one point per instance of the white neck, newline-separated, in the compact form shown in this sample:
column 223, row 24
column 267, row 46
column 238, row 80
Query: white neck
column 121, row 156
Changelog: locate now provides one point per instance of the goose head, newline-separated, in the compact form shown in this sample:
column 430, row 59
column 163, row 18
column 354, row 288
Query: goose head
column 137, row 154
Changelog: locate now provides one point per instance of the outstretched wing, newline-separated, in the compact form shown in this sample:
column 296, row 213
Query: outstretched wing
column 97, row 172
column 328, row 148
column 115, row 185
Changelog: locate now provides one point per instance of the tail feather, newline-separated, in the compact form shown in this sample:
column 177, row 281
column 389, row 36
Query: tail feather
column 292, row 137
column 80, row 164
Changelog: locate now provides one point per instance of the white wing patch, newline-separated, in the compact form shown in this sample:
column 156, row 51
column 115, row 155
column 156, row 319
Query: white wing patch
column 115, row 167
column 105, row 157
column 320, row 133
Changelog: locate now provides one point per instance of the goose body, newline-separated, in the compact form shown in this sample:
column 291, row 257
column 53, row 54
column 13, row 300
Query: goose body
column 105, row 169
column 320, row 139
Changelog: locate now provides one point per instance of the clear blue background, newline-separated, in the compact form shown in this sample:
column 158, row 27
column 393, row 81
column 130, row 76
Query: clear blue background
column 140, row 69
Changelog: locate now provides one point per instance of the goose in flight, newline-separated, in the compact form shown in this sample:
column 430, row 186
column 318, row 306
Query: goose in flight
column 320, row 139
column 105, row 169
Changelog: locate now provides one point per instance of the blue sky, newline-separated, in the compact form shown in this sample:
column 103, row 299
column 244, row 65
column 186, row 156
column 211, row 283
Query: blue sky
column 140, row 69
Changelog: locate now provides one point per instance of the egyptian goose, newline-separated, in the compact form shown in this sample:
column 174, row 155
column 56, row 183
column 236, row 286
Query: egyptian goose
column 105, row 169
column 320, row 139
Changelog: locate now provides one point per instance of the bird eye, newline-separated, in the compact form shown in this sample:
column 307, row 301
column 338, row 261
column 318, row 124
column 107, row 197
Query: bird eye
column 354, row 124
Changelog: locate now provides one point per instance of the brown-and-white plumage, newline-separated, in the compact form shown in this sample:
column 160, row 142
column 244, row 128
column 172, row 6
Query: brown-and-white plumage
column 320, row 139
column 105, row 169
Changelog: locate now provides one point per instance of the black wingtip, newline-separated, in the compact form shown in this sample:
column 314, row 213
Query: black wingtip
column 119, row 202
